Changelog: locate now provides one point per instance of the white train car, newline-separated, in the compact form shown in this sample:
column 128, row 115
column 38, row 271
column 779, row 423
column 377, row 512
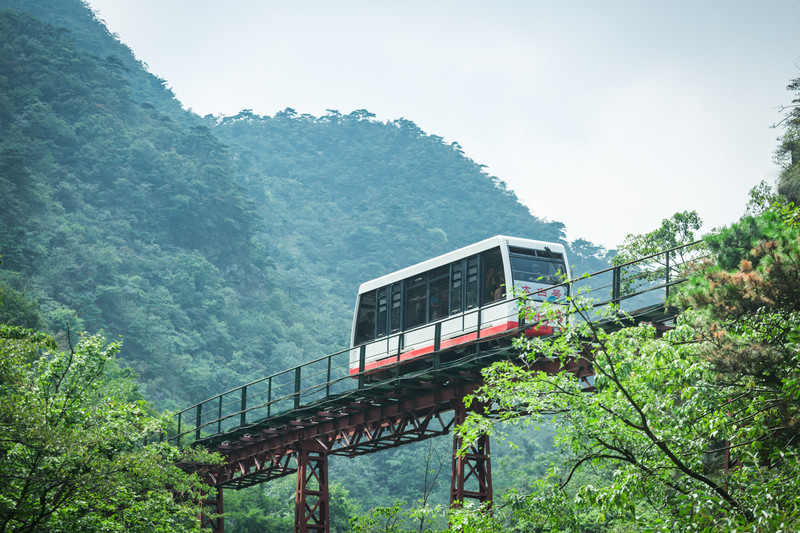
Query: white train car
column 462, row 293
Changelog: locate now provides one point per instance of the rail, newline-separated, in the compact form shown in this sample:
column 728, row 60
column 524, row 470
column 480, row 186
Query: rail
column 639, row 284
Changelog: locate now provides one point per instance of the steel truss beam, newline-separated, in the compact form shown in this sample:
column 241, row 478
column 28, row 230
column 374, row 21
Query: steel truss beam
column 361, row 428
column 252, row 470
column 471, row 474
column 389, row 432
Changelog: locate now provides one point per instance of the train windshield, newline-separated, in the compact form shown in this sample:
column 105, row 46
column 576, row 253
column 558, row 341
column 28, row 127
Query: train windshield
column 535, row 272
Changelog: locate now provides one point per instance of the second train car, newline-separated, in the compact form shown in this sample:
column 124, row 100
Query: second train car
column 465, row 293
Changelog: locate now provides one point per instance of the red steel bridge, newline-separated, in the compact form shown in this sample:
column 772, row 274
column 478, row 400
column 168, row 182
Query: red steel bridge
column 292, row 421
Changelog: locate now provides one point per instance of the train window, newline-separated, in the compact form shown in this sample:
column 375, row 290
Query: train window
column 365, row 319
column 416, row 301
column 537, row 270
column 382, row 314
column 494, row 277
column 471, row 299
column 396, row 317
column 455, row 288
column 439, row 293
column 546, row 253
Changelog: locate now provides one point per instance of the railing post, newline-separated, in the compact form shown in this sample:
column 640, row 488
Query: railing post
column 395, row 370
column 362, row 361
column 199, row 421
column 269, row 396
column 243, row 414
column 437, row 345
column 178, row 443
column 666, row 279
column 297, row 387
column 328, row 381
column 219, row 415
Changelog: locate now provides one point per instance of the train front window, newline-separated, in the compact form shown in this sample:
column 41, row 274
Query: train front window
column 533, row 275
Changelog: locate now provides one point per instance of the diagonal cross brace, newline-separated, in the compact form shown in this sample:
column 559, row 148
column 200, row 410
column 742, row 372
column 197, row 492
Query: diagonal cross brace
column 471, row 474
column 312, row 512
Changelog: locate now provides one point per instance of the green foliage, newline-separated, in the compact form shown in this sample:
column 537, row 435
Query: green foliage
column 16, row 310
column 654, row 259
column 269, row 508
column 674, row 231
column 753, row 312
column 736, row 243
column 697, row 426
column 586, row 257
column 398, row 518
column 761, row 199
column 71, row 453
column 263, row 508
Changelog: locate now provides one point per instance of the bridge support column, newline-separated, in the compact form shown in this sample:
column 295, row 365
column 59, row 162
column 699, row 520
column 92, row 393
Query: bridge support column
column 312, row 502
column 211, row 511
column 471, row 475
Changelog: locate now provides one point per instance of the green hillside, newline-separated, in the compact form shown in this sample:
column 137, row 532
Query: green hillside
column 346, row 198
column 220, row 249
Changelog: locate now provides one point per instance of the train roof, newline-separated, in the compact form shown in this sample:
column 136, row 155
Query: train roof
column 449, row 257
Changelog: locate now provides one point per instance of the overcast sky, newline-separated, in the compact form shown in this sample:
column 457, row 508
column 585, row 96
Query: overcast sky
column 607, row 116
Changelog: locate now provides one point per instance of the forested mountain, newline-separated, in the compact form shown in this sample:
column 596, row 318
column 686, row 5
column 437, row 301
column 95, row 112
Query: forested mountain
column 223, row 249
column 220, row 248
column 346, row 199
column 75, row 19
column 114, row 216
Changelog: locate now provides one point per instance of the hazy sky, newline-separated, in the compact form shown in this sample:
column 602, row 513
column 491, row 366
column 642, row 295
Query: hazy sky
column 607, row 116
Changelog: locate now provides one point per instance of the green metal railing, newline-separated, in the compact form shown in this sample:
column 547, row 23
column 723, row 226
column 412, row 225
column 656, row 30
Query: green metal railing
column 313, row 385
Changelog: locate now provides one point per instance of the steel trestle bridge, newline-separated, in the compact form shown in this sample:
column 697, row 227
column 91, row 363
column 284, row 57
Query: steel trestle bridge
column 291, row 421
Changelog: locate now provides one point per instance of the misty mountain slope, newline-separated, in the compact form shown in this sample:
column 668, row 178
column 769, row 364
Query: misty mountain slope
column 221, row 249
column 365, row 197
column 115, row 217
column 78, row 22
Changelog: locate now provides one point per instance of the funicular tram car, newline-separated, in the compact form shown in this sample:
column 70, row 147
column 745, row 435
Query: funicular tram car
column 463, row 293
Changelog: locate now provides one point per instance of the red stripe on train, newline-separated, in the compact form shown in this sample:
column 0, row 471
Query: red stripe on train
column 456, row 341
